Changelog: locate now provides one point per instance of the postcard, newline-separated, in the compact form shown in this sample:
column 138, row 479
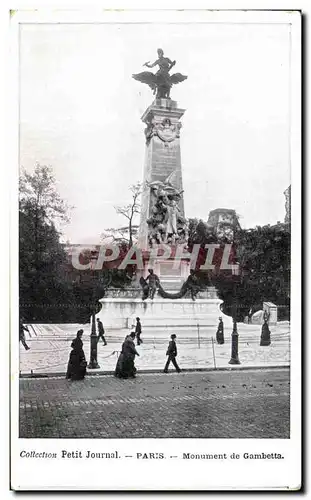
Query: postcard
column 155, row 247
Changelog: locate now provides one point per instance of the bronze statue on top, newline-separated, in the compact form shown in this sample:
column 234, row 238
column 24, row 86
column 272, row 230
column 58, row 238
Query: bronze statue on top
column 160, row 82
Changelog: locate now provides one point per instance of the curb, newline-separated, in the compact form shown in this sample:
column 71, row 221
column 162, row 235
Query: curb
column 186, row 370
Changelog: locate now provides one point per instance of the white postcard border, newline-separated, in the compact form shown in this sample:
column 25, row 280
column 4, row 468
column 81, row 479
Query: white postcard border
column 36, row 474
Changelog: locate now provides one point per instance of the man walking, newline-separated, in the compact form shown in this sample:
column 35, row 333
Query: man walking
column 172, row 353
column 101, row 331
column 138, row 331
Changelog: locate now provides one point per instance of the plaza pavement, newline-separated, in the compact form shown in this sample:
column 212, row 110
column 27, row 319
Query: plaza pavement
column 50, row 348
column 215, row 404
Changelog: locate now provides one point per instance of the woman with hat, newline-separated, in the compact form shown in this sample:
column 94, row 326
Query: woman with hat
column 125, row 365
column 76, row 369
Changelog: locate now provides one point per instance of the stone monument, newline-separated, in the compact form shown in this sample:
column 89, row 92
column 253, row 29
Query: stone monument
column 162, row 207
column 165, row 295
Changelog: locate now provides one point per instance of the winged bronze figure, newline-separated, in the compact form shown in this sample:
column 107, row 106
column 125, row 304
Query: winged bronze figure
column 161, row 81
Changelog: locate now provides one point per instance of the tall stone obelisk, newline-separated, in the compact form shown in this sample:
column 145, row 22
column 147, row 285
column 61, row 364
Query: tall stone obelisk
column 162, row 211
column 162, row 170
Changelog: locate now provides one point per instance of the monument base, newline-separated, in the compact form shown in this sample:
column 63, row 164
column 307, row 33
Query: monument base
column 176, row 315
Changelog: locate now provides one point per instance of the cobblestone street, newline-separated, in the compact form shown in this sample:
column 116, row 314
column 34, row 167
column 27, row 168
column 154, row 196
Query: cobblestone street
column 224, row 404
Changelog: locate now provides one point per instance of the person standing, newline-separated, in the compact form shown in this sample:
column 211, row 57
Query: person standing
column 22, row 339
column 220, row 332
column 101, row 331
column 266, row 316
column 172, row 353
column 138, row 331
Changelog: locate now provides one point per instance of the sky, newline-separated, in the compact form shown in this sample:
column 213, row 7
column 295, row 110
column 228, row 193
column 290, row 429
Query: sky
column 80, row 112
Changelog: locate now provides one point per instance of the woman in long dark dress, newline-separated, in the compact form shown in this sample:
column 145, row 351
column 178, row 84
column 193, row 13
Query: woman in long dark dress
column 125, row 367
column 119, row 366
column 77, row 363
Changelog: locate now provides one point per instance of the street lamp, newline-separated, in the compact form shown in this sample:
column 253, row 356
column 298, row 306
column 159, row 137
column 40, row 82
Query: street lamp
column 93, row 364
column 235, row 336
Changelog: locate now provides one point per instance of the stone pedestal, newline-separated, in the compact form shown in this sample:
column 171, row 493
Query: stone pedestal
column 162, row 314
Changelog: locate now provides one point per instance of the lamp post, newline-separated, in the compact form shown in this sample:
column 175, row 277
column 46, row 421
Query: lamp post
column 234, row 336
column 93, row 364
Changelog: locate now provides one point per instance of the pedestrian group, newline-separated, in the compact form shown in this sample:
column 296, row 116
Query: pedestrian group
column 125, row 367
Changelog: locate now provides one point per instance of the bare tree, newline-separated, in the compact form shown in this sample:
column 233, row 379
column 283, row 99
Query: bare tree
column 119, row 234
column 131, row 210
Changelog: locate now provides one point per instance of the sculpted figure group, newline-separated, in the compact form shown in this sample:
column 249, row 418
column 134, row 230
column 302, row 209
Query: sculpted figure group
column 166, row 224
column 152, row 284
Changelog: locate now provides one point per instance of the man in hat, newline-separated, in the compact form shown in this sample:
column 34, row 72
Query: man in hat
column 101, row 331
column 172, row 353
column 138, row 331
